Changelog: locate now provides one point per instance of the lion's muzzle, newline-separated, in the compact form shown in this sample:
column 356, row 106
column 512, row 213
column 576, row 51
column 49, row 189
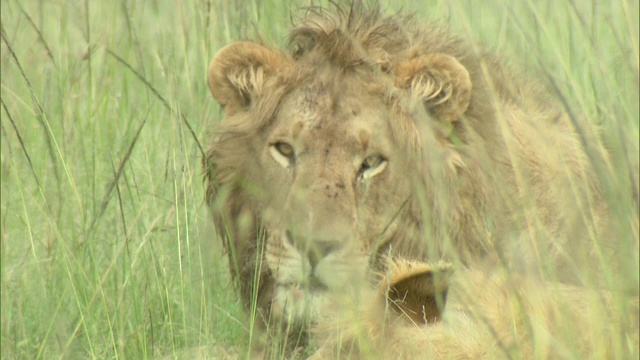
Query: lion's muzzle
column 322, row 218
column 315, row 249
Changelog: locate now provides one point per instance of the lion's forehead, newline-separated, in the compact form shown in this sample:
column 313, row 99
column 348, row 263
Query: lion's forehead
column 341, row 112
column 330, row 89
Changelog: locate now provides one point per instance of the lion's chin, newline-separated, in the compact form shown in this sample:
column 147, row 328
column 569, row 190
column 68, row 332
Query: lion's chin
column 301, row 303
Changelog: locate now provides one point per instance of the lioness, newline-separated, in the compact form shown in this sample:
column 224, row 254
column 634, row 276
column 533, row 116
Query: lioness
column 373, row 138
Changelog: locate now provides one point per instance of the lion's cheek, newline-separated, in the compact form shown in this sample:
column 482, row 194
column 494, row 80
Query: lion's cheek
column 343, row 271
column 379, row 204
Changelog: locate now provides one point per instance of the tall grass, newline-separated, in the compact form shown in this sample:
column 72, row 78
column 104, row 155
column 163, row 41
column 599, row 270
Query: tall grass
column 107, row 248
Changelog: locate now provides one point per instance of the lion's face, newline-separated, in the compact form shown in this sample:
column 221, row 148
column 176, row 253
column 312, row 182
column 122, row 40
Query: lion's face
column 329, row 162
column 321, row 159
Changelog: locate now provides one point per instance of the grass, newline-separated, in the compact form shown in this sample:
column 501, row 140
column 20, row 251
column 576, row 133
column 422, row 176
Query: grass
column 107, row 247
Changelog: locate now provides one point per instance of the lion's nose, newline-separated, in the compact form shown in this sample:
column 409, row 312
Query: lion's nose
column 320, row 249
column 315, row 249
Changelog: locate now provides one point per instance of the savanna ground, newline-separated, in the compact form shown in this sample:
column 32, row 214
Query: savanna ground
column 107, row 247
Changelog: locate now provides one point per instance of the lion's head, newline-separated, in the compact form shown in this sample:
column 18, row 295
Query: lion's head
column 322, row 153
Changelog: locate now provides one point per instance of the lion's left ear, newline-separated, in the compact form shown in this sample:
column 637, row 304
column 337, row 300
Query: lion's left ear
column 439, row 80
column 418, row 290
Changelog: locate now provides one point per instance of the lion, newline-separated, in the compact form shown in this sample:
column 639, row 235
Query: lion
column 373, row 137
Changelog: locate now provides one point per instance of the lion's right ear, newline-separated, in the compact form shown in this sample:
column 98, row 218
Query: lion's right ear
column 238, row 72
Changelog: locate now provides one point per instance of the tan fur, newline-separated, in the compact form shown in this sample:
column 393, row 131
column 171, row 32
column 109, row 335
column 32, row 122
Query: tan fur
column 489, row 316
column 471, row 162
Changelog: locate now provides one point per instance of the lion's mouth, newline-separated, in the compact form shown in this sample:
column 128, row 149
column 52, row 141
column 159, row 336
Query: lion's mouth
column 310, row 285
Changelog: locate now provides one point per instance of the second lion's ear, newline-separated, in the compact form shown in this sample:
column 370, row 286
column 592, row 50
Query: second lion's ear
column 238, row 73
column 418, row 290
column 440, row 81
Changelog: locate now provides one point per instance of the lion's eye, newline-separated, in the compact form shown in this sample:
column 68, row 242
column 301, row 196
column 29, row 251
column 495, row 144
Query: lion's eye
column 285, row 149
column 372, row 161
column 283, row 153
column 372, row 166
